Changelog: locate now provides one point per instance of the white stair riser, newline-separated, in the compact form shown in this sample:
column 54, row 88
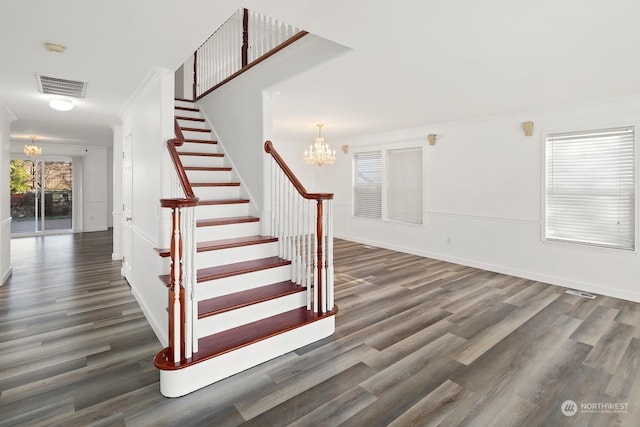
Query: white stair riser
column 190, row 134
column 191, row 124
column 242, row 282
column 233, row 255
column 212, row 193
column 234, row 318
column 222, row 211
column 208, row 161
column 187, row 113
column 188, row 104
column 178, row 382
column 197, row 147
column 227, row 231
column 209, row 176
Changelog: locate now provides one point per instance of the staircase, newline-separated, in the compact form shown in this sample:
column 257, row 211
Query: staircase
column 246, row 307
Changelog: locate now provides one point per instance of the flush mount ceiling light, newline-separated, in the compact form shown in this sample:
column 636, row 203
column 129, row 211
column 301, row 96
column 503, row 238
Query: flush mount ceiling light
column 54, row 47
column 61, row 104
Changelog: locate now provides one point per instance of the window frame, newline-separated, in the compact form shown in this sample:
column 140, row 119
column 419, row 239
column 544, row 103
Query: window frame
column 384, row 149
column 543, row 186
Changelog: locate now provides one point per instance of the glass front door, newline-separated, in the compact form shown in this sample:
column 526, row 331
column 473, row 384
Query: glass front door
column 41, row 196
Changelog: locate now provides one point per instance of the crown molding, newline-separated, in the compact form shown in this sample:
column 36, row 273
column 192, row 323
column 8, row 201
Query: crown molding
column 6, row 111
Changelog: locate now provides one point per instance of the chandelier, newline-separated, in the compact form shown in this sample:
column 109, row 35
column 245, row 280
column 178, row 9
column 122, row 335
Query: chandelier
column 319, row 153
column 32, row 150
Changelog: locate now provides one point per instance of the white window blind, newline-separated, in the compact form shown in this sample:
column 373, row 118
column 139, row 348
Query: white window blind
column 404, row 185
column 590, row 188
column 367, row 185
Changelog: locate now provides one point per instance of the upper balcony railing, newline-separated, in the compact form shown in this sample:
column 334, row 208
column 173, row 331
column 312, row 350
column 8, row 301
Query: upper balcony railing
column 244, row 40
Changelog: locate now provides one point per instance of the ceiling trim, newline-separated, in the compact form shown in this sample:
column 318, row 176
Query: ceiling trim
column 6, row 111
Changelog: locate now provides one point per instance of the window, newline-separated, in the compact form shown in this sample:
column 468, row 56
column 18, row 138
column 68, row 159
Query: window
column 387, row 185
column 367, row 185
column 590, row 188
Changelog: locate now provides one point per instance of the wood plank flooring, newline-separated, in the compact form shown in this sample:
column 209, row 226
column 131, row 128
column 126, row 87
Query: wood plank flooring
column 418, row 342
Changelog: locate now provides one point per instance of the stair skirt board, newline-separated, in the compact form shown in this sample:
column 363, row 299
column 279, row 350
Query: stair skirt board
column 228, row 231
column 214, row 258
column 242, row 282
column 178, row 382
column 230, row 319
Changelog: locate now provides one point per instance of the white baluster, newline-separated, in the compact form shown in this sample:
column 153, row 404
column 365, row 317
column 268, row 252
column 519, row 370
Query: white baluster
column 330, row 272
column 309, row 261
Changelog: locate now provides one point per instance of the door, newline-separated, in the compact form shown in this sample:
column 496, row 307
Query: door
column 41, row 196
column 127, row 206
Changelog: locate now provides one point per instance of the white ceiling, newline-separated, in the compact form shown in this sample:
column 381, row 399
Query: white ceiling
column 412, row 63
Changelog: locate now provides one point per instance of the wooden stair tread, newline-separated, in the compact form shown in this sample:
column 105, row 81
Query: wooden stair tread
column 228, row 270
column 187, row 109
column 184, row 100
column 211, row 222
column 242, row 336
column 193, row 119
column 215, row 184
column 222, row 202
column 212, row 245
column 196, row 153
column 195, row 129
column 246, row 298
column 207, row 168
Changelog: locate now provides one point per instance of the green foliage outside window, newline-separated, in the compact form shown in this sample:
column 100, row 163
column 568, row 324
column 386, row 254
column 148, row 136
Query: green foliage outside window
column 19, row 176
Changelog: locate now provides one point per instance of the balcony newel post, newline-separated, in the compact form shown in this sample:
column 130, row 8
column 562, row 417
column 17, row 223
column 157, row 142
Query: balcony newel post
column 245, row 37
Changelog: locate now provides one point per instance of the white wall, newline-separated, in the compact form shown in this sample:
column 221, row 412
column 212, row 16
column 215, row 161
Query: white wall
column 116, row 173
column 148, row 118
column 240, row 111
column 483, row 188
column 6, row 117
column 91, row 191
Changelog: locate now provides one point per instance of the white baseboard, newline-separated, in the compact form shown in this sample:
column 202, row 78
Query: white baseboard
column 153, row 322
column 178, row 382
column 553, row 280
column 6, row 276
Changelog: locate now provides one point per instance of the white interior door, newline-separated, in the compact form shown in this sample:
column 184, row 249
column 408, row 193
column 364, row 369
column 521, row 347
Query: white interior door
column 127, row 206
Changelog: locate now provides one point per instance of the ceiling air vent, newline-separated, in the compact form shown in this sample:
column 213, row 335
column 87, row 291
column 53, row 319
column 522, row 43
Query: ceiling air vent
column 56, row 86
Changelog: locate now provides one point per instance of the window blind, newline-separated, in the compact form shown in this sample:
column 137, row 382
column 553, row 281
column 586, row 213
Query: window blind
column 590, row 188
column 367, row 184
column 404, row 185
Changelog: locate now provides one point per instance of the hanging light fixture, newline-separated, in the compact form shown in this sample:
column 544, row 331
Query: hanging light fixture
column 32, row 150
column 319, row 153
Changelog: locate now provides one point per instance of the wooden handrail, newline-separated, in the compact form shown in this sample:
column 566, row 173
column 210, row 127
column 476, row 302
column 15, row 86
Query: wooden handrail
column 190, row 197
column 268, row 147
column 319, row 198
column 247, row 67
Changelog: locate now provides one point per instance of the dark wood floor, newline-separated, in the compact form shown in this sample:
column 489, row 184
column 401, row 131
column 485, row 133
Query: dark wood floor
column 418, row 342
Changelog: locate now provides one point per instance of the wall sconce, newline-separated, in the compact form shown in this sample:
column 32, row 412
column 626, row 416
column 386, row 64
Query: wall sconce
column 432, row 138
column 345, row 149
column 527, row 127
